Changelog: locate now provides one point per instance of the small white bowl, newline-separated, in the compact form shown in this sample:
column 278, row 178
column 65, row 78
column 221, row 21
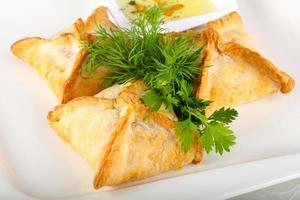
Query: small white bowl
column 222, row 7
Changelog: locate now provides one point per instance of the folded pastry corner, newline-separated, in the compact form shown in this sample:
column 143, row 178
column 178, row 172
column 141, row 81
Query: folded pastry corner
column 130, row 144
column 59, row 58
column 231, row 29
column 235, row 75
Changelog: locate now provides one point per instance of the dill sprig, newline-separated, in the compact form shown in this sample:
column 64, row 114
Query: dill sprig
column 169, row 66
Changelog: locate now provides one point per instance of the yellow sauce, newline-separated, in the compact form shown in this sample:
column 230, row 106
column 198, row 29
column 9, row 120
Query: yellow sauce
column 190, row 7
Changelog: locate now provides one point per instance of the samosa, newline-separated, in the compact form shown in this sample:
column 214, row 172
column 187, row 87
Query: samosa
column 233, row 72
column 59, row 59
column 119, row 137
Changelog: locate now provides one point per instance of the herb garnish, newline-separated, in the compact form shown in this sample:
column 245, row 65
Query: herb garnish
column 169, row 66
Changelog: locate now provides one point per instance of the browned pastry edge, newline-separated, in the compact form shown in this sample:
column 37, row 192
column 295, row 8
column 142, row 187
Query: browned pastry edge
column 100, row 14
column 69, row 85
column 262, row 64
column 56, row 113
column 118, row 135
column 18, row 47
column 232, row 19
column 214, row 42
column 72, row 85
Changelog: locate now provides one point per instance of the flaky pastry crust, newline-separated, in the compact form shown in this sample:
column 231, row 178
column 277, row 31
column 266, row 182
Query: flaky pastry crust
column 59, row 58
column 234, row 73
column 121, row 140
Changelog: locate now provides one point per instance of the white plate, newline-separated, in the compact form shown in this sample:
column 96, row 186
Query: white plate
column 35, row 162
column 222, row 7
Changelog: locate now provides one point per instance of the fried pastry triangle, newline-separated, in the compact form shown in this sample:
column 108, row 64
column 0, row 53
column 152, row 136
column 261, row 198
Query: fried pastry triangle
column 235, row 75
column 59, row 59
column 120, row 140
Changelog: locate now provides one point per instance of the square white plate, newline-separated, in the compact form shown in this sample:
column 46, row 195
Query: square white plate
column 36, row 163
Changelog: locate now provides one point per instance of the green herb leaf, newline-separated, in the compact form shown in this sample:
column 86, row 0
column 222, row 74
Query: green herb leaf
column 152, row 100
column 224, row 115
column 185, row 130
column 217, row 136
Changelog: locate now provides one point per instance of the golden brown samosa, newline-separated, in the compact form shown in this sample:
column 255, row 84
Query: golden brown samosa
column 59, row 59
column 119, row 138
column 234, row 74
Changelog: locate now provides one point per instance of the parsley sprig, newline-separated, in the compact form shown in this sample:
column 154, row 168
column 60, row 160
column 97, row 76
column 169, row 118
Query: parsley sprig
column 169, row 66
